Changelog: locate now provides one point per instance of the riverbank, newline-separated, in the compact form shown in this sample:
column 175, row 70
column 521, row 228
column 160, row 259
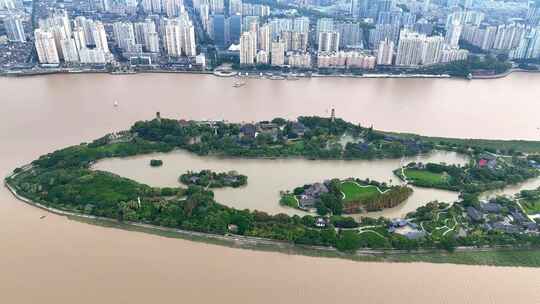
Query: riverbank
column 27, row 73
column 97, row 264
column 468, row 255
column 500, row 257
column 503, row 75
column 526, row 146
column 255, row 75
column 218, row 74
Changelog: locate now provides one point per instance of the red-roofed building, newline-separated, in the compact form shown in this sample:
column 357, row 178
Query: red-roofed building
column 482, row 163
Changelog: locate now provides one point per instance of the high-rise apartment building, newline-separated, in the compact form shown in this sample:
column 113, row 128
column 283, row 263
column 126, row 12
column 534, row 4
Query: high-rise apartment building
column 262, row 57
column 324, row 25
column 350, row 34
column 146, row 35
column 233, row 29
column 277, row 53
column 235, row 7
column 99, row 37
column 328, row 42
column 172, row 8
column 179, row 37
column 264, row 38
column 217, row 6
column 431, row 50
column 385, row 52
column 14, row 28
column 124, row 35
column 449, row 55
column 248, row 48
column 46, row 47
column 529, row 46
column 69, row 50
column 508, row 36
column 453, row 34
column 301, row 24
column 217, row 32
column 410, row 48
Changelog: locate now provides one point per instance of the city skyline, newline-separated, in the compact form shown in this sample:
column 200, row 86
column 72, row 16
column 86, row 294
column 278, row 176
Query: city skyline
column 169, row 33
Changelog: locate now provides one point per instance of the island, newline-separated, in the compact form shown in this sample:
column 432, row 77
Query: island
column 348, row 196
column 156, row 163
column 64, row 182
column 485, row 171
column 210, row 179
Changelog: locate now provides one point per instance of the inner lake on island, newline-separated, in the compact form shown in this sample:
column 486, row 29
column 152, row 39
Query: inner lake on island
column 267, row 177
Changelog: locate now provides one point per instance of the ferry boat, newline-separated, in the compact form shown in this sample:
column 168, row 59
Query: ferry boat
column 239, row 83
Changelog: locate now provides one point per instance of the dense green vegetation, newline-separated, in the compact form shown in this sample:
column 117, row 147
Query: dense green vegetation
column 512, row 258
column 501, row 257
column 507, row 147
column 349, row 196
column 489, row 64
column 530, row 200
column 289, row 200
column 64, row 180
column 310, row 137
column 485, row 172
column 207, row 178
column 156, row 162
column 471, row 47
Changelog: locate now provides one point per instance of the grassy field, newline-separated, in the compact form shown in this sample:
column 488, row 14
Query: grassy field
column 532, row 207
column 514, row 258
column 426, row 176
column 353, row 192
column 289, row 200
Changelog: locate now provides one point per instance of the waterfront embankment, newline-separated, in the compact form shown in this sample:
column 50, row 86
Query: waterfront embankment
column 40, row 72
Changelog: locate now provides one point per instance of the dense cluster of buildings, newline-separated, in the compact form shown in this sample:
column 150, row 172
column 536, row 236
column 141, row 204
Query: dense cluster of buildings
column 517, row 37
column 519, row 40
column 394, row 38
column 367, row 34
column 80, row 40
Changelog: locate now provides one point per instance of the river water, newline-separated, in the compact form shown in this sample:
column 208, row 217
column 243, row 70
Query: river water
column 56, row 260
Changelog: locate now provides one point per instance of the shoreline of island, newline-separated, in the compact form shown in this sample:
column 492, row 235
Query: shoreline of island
column 265, row 244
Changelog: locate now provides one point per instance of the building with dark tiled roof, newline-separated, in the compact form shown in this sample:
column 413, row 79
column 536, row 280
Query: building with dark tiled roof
column 474, row 214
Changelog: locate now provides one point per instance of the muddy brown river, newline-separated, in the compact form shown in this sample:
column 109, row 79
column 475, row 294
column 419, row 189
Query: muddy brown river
column 56, row 260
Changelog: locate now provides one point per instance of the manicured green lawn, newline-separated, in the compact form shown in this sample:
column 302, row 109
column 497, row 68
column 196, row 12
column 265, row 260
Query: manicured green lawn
column 289, row 200
column 353, row 192
column 513, row 258
column 531, row 207
column 426, row 176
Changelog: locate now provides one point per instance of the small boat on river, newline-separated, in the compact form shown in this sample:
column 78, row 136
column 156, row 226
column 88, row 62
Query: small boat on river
column 239, row 83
